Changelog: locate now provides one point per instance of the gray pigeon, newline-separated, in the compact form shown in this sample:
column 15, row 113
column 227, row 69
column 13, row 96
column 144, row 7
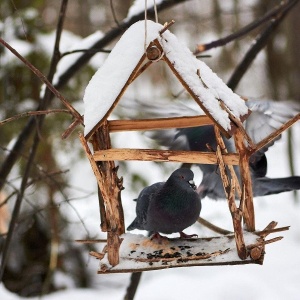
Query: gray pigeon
column 266, row 117
column 168, row 207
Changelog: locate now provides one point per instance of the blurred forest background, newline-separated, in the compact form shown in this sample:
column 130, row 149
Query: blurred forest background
column 36, row 164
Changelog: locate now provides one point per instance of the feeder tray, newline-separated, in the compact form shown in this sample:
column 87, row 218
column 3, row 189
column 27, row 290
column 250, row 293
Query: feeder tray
column 139, row 253
column 223, row 109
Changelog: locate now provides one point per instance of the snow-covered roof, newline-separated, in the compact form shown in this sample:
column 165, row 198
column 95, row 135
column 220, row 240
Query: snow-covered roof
column 107, row 83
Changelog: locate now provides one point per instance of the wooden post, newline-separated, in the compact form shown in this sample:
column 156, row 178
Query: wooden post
column 221, row 143
column 248, row 208
column 229, row 189
column 110, row 186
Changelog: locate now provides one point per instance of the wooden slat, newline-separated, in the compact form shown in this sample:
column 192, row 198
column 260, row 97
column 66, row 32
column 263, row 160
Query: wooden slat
column 276, row 133
column 164, row 156
column 158, row 123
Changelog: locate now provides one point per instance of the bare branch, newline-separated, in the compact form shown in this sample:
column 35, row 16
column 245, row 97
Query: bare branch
column 64, row 78
column 275, row 12
column 110, row 36
column 259, row 44
column 33, row 150
column 43, row 78
column 113, row 12
column 133, row 285
column 34, row 113
column 213, row 227
column 85, row 50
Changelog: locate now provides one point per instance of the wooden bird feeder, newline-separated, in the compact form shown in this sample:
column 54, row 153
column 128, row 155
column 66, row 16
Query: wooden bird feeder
column 223, row 109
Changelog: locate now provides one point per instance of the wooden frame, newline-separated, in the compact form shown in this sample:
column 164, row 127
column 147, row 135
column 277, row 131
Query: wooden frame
column 110, row 186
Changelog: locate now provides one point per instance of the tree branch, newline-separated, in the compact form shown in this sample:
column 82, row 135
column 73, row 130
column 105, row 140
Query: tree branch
column 33, row 113
column 39, row 123
column 275, row 12
column 109, row 37
column 65, row 77
column 259, row 44
column 113, row 12
column 133, row 285
column 44, row 79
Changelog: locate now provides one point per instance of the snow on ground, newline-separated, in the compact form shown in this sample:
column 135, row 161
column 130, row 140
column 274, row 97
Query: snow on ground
column 278, row 278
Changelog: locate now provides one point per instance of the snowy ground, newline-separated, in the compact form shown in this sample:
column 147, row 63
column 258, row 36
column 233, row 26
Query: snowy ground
column 278, row 278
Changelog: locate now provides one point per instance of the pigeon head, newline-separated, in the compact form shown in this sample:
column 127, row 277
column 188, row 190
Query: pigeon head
column 183, row 176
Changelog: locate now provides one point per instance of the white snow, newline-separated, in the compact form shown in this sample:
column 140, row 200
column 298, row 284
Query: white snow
column 108, row 81
column 138, row 6
column 69, row 60
column 69, row 42
column 213, row 88
column 136, row 248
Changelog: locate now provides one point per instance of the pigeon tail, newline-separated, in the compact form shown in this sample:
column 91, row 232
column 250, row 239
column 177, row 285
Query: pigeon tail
column 134, row 225
column 268, row 186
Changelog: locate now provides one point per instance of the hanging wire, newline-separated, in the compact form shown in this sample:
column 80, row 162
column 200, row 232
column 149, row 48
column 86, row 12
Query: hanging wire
column 155, row 11
column 145, row 43
column 146, row 17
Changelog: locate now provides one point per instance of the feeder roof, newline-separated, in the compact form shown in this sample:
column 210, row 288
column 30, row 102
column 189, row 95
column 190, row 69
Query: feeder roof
column 107, row 83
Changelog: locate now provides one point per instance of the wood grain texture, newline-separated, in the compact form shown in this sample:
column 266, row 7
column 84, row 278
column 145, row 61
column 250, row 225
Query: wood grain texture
column 164, row 156
column 158, row 123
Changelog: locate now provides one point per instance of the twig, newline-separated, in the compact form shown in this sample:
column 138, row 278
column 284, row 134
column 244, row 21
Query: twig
column 17, row 207
column 70, row 129
column 29, row 183
column 110, row 36
column 213, row 227
column 44, row 79
column 264, row 242
column 85, row 50
column 36, row 139
column 267, row 232
column 91, row 241
column 242, row 32
column 166, row 27
column 276, row 133
column 34, row 113
column 113, row 12
column 260, row 43
column 20, row 16
column 24, row 135
column 98, row 255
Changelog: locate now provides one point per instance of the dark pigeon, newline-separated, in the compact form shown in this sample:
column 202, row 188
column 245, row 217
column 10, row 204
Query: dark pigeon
column 266, row 117
column 168, row 207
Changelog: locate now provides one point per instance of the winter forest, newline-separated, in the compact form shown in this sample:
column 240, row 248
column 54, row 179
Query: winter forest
column 73, row 220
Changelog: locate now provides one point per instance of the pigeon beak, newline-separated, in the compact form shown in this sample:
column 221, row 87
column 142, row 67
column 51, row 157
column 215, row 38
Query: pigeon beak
column 192, row 184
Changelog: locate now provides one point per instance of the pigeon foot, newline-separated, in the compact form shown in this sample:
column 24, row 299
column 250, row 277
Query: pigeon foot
column 158, row 237
column 187, row 236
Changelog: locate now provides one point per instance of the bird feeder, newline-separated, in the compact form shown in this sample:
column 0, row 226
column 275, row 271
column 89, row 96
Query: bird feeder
column 223, row 109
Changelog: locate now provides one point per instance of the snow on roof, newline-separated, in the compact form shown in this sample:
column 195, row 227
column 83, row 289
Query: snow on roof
column 108, row 81
column 209, row 88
